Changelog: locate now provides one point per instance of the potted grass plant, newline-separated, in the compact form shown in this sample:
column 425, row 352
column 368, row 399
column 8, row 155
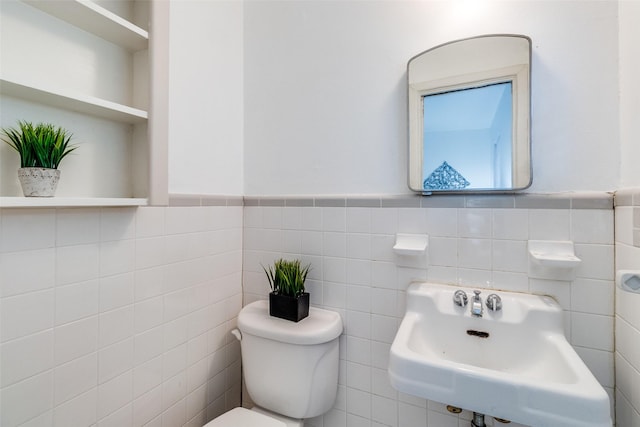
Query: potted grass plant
column 41, row 148
column 288, row 299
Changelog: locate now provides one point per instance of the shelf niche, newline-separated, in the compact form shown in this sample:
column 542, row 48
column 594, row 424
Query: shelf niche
column 101, row 95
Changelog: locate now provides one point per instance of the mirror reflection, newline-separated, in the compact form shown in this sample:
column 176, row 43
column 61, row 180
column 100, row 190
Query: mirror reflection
column 474, row 121
column 469, row 116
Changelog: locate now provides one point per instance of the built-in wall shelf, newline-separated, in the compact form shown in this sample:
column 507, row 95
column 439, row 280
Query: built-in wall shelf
column 97, row 20
column 115, row 54
column 81, row 103
column 68, row 202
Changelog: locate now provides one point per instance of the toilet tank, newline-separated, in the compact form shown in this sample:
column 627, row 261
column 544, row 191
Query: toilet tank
column 290, row 368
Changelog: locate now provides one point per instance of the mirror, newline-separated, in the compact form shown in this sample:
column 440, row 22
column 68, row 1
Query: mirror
column 469, row 116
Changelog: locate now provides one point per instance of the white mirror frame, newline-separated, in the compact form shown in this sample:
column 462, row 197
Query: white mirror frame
column 465, row 64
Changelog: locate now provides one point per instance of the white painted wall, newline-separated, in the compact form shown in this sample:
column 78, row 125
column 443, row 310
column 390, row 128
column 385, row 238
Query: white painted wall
column 206, row 113
column 325, row 102
column 629, row 92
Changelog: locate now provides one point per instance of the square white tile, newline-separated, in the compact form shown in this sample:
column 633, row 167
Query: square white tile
column 25, row 314
column 442, row 222
column 117, row 257
column 25, row 357
column 359, row 220
column 78, row 263
column 76, row 377
column 592, row 226
column 76, row 301
column 359, row 403
column 115, row 360
column 77, row 226
column 510, row 255
column 149, row 221
column 123, row 417
column 474, row 223
column 412, row 220
column 359, row 272
column 115, row 394
column 383, row 301
column 510, row 224
column 549, row 224
column 117, row 224
column 592, row 331
column 384, row 221
column 146, row 376
column 116, row 291
column 27, row 229
column 77, row 412
column 75, row 339
column 17, row 410
column 18, row 276
column 474, row 253
column 334, row 219
column 115, row 325
column 359, row 376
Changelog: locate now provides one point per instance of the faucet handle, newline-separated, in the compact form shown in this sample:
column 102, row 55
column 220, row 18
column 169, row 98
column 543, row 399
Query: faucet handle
column 494, row 302
column 460, row 298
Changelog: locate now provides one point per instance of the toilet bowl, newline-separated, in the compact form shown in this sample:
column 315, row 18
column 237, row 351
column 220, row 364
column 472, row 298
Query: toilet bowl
column 242, row 417
column 290, row 369
column 255, row 417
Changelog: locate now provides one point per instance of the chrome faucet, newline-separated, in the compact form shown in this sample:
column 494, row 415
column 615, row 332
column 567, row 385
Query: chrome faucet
column 460, row 298
column 476, row 304
column 494, row 303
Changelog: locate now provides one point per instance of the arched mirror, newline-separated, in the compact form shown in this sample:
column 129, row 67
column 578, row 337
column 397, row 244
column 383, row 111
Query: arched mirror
column 469, row 116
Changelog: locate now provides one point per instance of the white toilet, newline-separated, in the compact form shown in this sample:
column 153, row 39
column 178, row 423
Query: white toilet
column 290, row 369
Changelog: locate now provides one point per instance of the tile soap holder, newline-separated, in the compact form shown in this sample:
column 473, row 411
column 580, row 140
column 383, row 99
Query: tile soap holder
column 411, row 244
column 411, row 250
column 552, row 259
column 628, row 280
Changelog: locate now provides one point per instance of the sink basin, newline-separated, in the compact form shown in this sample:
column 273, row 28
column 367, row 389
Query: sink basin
column 514, row 363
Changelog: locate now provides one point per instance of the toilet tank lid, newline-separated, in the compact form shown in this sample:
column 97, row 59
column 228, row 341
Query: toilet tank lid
column 319, row 327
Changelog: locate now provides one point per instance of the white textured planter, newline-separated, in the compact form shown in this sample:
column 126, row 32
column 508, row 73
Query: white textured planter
column 38, row 182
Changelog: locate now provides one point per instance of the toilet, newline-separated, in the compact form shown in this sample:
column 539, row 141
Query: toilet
column 290, row 369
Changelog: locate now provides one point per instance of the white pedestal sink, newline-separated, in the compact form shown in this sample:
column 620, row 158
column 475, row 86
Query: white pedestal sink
column 514, row 363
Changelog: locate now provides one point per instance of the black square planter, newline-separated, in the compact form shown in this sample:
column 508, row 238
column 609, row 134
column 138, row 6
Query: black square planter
column 289, row 308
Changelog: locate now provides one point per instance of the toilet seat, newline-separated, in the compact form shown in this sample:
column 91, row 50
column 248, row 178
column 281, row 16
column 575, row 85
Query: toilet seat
column 242, row 417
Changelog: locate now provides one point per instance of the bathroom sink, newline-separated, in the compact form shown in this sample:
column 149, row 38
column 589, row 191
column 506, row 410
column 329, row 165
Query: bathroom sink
column 514, row 363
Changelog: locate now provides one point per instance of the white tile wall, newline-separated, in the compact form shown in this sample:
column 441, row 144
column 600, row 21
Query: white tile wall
column 125, row 320
column 354, row 272
column 119, row 316
column 627, row 321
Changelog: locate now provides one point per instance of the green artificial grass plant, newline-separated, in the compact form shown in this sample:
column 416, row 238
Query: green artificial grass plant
column 287, row 277
column 41, row 146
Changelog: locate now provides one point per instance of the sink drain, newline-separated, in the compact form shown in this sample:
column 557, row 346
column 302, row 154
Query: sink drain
column 479, row 334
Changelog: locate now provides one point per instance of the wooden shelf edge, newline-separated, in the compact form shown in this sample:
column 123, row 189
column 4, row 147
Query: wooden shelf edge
column 69, row 202
column 95, row 19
